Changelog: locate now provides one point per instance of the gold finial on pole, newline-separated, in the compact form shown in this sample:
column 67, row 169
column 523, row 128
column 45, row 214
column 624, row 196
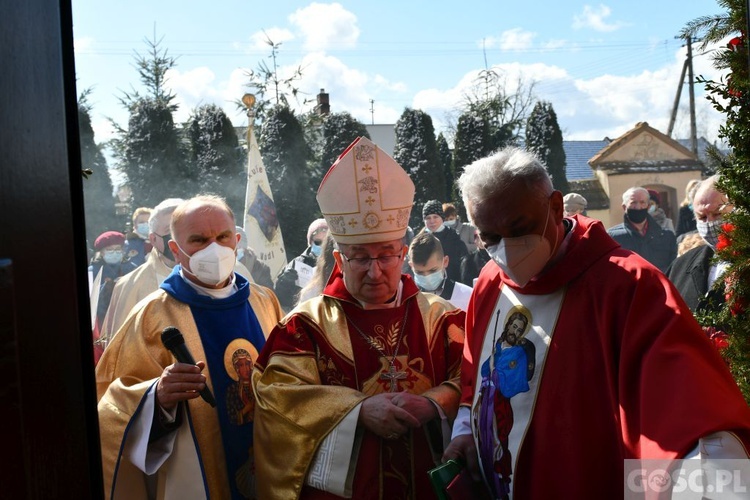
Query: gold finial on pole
column 249, row 101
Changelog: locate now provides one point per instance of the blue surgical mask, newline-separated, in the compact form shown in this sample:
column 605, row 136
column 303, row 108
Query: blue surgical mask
column 142, row 230
column 429, row 282
column 112, row 257
column 316, row 249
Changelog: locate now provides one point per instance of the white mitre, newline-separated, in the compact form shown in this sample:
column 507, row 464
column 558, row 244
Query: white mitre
column 366, row 197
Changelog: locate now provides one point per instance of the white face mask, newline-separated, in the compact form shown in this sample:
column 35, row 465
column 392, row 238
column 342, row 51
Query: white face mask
column 212, row 265
column 523, row 257
column 450, row 223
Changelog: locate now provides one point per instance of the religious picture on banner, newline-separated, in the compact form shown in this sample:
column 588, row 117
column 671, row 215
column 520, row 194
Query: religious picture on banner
column 264, row 212
column 261, row 222
column 239, row 359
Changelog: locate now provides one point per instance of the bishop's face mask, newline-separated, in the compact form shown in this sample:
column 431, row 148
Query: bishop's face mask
column 523, row 257
column 212, row 265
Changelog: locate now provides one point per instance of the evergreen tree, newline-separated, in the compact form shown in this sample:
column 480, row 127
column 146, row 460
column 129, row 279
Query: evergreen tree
column 445, row 160
column 416, row 151
column 285, row 154
column 215, row 152
column 471, row 141
column 339, row 131
column 731, row 96
column 149, row 151
column 544, row 139
column 98, row 198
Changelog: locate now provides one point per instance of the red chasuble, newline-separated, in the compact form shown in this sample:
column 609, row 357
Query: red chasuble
column 317, row 366
column 620, row 370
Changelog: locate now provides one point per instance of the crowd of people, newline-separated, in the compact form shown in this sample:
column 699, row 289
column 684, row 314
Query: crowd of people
column 533, row 346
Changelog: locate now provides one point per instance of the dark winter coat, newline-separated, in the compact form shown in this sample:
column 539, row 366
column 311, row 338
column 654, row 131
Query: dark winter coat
column 658, row 246
column 689, row 274
column 471, row 264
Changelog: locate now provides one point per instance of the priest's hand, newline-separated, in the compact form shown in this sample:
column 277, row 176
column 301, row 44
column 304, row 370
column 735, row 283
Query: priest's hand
column 380, row 416
column 463, row 447
column 179, row 382
column 420, row 407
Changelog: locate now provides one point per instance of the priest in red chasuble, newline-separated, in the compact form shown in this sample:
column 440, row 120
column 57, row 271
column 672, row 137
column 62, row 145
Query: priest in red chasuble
column 580, row 355
column 356, row 389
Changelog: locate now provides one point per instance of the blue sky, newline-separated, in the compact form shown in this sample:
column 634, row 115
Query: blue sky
column 603, row 66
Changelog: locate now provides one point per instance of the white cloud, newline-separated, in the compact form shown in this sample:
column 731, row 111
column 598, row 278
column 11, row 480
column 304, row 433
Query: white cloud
column 382, row 83
column 192, row 88
column 325, row 26
column 595, row 18
column 516, row 39
column 605, row 106
column 513, row 39
column 350, row 89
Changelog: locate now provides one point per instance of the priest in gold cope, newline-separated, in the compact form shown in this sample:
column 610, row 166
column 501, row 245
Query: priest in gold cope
column 356, row 389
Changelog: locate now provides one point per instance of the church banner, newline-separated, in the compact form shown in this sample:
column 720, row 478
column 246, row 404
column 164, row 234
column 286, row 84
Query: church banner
column 261, row 223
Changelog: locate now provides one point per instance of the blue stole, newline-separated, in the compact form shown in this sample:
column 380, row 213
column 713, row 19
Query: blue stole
column 231, row 338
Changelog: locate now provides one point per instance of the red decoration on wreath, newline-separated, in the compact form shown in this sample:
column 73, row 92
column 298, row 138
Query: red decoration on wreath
column 718, row 338
column 724, row 240
column 736, row 43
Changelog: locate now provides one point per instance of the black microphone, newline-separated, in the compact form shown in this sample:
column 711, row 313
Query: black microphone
column 175, row 342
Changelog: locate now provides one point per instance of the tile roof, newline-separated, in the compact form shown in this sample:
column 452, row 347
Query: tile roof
column 577, row 156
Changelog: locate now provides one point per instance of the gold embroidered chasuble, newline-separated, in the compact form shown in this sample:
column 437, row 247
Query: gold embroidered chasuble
column 316, row 368
column 132, row 363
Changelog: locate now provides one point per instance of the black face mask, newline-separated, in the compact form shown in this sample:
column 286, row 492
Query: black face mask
column 167, row 251
column 637, row 215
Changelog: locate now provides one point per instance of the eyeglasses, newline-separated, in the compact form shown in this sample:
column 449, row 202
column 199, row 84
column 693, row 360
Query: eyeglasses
column 363, row 263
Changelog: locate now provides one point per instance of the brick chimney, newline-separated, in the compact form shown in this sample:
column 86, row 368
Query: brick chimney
column 323, row 108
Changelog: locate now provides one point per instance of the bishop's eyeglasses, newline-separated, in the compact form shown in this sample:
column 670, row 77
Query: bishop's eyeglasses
column 363, row 263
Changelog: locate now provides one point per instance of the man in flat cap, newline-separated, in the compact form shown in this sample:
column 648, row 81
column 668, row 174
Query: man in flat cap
column 574, row 203
column 354, row 388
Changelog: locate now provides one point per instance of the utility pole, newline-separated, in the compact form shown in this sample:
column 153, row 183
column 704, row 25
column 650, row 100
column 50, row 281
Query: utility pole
column 687, row 67
column 677, row 99
column 691, row 90
column 372, row 111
